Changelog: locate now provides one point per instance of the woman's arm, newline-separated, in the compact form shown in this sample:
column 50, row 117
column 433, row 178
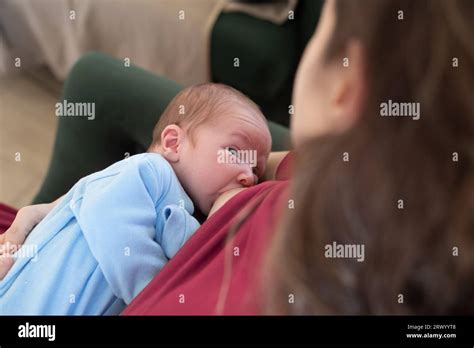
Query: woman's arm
column 273, row 161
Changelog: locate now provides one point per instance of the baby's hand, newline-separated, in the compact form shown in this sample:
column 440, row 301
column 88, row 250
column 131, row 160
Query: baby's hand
column 223, row 198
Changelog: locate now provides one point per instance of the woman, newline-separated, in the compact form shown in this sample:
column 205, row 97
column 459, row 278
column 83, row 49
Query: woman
column 403, row 188
column 398, row 188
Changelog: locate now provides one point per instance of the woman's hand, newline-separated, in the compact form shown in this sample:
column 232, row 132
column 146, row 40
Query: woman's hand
column 10, row 241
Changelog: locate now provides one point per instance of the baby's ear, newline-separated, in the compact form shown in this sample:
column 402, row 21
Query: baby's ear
column 171, row 139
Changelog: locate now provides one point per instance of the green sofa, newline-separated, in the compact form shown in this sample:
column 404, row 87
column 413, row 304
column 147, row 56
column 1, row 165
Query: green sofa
column 268, row 53
column 129, row 100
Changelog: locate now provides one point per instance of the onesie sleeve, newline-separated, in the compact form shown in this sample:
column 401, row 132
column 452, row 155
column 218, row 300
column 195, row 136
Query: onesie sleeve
column 179, row 226
column 117, row 213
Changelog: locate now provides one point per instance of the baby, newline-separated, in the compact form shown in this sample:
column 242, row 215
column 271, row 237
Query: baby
column 115, row 229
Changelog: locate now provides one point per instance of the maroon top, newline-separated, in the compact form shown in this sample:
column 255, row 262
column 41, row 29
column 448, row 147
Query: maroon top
column 192, row 282
column 7, row 215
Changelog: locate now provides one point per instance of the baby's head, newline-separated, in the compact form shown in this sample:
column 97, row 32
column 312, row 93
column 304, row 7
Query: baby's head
column 215, row 138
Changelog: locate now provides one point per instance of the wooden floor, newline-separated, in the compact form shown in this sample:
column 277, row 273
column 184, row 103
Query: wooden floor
column 27, row 130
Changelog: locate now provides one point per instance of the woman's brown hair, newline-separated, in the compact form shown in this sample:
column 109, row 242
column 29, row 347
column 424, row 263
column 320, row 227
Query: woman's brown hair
column 402, row 188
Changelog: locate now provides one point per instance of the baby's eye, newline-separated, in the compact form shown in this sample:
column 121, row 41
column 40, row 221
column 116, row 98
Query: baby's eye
column 233, row 151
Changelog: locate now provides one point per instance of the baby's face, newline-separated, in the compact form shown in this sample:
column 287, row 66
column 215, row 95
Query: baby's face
column 228, row 152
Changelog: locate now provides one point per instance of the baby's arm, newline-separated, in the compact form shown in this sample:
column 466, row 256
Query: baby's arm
column 178, row 227
column 119, row 216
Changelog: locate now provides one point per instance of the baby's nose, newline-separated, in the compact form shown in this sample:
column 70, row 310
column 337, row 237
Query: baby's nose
column 247, row 179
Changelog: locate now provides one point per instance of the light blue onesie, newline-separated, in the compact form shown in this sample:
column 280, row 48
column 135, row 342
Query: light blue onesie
column 103, row 242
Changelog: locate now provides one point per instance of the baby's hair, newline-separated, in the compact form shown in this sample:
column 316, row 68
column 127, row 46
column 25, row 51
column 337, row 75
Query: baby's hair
column 198, row 104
